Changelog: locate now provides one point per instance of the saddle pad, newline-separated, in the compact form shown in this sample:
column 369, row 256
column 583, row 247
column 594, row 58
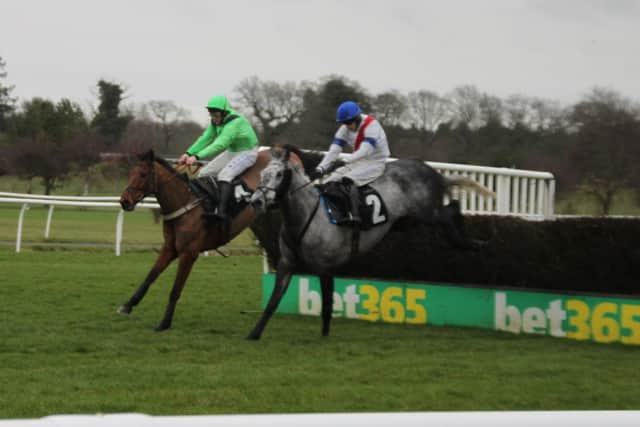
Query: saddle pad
column 207, row 188
column 373, row 210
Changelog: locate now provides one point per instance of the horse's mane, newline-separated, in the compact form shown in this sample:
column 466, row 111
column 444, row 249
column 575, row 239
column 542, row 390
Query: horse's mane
column 310, row 159
column 164, row 163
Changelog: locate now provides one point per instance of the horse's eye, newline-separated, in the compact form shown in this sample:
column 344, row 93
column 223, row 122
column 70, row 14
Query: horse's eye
column 143, row 174
column 279, row 174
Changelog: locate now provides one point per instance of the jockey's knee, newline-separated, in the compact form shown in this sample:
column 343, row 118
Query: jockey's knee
column 347, row 181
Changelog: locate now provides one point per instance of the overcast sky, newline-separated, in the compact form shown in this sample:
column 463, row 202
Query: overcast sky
column 188, row 50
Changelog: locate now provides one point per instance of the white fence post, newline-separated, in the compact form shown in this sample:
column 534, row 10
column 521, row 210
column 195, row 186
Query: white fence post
column 119, row 231
column 95, row 202
column 48, row 226
column 25, row 207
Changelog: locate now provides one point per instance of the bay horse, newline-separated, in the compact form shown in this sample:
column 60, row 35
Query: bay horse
column 186, row 231
column 308, row 238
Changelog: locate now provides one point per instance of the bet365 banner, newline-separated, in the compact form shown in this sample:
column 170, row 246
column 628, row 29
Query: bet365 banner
column 600, row 319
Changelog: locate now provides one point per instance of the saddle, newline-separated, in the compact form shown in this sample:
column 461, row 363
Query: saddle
column 334, row 197
column 207, row 190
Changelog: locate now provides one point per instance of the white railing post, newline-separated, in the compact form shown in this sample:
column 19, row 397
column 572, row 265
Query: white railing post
column 25, row 207
column 503, row 194
column 551, row 194
column 119, row 231
column 47, row 228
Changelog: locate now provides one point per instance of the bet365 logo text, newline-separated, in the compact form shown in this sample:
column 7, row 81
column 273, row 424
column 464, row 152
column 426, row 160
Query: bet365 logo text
column 394, row 304
column 602, row 322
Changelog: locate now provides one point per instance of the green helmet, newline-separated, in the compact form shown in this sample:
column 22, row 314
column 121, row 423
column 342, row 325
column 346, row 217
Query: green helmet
column 219, row 102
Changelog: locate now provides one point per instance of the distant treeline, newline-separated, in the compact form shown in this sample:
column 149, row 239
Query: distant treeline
column 593, row 145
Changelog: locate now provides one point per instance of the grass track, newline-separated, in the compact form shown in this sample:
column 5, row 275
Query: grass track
column 64, row 349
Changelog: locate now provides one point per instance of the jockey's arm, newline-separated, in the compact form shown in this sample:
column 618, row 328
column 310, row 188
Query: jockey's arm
column 365, row 149
column 203, row 140
column 331, row 155
column 220, row 143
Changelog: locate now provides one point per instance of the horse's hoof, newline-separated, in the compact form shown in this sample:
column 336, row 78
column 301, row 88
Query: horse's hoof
column 253, row 337
column 161, row 328
column 124, row 309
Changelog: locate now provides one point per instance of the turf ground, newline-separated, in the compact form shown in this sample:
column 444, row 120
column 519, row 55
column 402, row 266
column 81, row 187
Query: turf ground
column 64, row 349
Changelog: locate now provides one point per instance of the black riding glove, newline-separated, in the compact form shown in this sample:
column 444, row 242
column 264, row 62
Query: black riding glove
column 316, row 173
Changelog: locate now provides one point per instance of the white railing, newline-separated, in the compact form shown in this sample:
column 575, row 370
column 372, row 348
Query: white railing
column 95, row 202
column 522, row 193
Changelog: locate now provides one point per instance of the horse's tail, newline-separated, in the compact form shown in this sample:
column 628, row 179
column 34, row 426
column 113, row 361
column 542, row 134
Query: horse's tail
column 463, row 181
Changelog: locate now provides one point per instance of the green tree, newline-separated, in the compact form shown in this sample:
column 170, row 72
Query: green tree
column 7, row 103
column 109, row 121
column 318, row 121
column 50, row 139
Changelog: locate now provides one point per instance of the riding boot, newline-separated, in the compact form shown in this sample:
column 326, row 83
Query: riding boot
column 354, row 199
column 225, row 199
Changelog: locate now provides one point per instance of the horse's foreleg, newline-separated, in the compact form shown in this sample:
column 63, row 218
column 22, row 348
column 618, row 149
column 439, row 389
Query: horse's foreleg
column 326, row 282
column 283, row 277
column 186, row 261
column 164, row 259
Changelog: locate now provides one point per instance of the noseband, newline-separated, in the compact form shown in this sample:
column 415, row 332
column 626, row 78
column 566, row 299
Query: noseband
column 145, row 193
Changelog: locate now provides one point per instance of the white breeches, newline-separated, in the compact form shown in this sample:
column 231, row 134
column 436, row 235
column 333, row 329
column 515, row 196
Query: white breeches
column 228, row 164
column 362, row 172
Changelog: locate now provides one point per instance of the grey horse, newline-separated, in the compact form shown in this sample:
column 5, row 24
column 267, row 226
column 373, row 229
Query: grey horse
column 409, row 188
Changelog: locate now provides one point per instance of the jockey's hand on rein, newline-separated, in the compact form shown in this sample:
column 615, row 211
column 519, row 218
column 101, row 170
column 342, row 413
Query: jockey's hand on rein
column 316, row 173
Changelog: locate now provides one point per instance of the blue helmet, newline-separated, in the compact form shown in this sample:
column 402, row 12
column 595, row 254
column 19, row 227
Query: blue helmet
column 347, row 111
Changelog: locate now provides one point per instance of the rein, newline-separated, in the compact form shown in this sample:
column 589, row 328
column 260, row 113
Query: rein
column 295, row 244
column 154, row 188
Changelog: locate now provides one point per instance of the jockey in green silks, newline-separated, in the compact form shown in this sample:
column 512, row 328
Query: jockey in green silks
column 231, row 138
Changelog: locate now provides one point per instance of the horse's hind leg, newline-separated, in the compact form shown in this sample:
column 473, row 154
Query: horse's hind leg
column 164, row 259
column 326, row 282
column 185, row 261
column 283, row 277
column 453, row 221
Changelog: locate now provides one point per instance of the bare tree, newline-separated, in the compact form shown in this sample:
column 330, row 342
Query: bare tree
column 464, row 105
column 389, row 107
column 491, row 109
column 168, row 115
column 606, row 149
column 275, row 105
column 517, row 110
column 548, row 115
column 427, row 109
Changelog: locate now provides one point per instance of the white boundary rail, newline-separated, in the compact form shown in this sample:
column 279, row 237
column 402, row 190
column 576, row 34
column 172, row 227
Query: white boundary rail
column 95, row 202
column 523, row 193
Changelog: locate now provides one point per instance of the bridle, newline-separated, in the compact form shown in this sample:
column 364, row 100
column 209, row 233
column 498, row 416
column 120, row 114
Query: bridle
column 280, row 191
column 145, row 193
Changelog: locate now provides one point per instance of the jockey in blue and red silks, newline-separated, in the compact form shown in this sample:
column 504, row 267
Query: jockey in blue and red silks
column 370, row 152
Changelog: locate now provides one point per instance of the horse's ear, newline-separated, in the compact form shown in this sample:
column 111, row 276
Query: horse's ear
column 277, row 152
column 147, row 156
